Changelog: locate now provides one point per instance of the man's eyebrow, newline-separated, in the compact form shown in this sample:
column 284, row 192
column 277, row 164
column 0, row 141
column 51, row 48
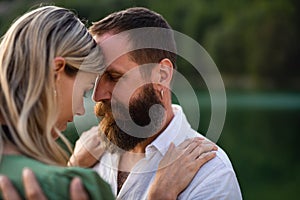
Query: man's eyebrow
column 113, row 71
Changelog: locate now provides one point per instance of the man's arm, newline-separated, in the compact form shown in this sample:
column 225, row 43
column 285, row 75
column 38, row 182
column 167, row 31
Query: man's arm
column 33, row 190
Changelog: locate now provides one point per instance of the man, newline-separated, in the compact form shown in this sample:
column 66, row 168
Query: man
column 136, row 146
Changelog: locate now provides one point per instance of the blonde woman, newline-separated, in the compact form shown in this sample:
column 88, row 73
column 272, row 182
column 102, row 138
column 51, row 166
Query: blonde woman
column 40, row 56
column 48, row 60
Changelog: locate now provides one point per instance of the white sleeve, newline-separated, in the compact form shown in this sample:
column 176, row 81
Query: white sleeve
column 221, row 186
column 215, row 180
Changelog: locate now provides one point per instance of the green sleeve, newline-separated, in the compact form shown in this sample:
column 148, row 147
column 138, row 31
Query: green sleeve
column 96, row 186
column 54, row 180
column 60, row 183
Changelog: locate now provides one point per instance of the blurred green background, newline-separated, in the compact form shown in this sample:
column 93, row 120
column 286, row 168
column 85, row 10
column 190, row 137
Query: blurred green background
column 255, row 45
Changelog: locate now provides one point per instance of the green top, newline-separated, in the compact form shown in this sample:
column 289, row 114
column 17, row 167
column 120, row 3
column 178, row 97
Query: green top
column 54, row 180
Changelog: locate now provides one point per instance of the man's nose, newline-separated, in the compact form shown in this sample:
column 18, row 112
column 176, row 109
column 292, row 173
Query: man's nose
column 102, row 91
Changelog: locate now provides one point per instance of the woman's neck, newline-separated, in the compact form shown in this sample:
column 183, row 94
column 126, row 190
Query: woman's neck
column 10, row 148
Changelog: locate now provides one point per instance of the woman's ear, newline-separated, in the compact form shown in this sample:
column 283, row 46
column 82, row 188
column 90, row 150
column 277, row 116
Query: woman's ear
column 59, row 64
column 166, row 72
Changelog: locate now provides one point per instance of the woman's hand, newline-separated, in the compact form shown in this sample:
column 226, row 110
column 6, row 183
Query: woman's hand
column 179, row 166
column 87, row 149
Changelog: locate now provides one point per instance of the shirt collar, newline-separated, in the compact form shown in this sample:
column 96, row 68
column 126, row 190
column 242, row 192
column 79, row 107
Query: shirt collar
column 163, row 141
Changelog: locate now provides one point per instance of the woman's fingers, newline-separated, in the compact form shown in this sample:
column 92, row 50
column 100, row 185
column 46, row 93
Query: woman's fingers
column 194, row 148
column 188, row 141
column 203, row 144
column 180, row 164
column 87, row 150
column 171, row 148
column 204, row 158
column 202, row 148
column 169, row 157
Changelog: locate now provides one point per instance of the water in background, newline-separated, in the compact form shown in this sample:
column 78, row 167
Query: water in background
column 260, row 136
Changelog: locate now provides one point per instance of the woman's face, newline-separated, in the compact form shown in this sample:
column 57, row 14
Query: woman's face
column 70, row 93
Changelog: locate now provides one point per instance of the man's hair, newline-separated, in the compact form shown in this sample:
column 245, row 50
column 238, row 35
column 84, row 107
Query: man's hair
column 138, row 17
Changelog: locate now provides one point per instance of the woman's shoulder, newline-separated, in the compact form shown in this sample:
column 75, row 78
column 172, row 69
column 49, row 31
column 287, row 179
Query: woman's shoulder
column 95, row 186
column 54, row 180
column 90, row 179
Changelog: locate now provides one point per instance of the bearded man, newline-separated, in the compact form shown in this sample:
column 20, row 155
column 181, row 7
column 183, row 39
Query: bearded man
column 139, row 121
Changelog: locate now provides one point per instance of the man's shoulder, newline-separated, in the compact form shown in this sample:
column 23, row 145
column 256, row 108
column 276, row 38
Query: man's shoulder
column 216, row 178
column 221, row 158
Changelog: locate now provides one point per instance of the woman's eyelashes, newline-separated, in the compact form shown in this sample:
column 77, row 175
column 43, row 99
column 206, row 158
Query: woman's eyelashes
column 85, row 94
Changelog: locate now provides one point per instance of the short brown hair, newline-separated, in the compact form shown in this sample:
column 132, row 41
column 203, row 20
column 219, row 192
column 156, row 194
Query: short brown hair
column 138, row 17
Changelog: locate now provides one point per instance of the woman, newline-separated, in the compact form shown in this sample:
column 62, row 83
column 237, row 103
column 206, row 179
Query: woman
column 40, row 56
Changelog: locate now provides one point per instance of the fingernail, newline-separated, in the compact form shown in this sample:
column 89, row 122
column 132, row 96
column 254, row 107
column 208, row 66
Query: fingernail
column 2, row 180
column 172, row 145
column 78, row 183
column 26, row 172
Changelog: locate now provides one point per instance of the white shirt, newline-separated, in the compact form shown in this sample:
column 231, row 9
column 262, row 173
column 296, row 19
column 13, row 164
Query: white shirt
column 215, row 180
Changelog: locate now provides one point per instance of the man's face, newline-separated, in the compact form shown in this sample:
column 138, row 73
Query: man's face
column 123, row 134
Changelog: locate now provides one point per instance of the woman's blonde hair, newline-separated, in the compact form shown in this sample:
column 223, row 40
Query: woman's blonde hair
column 28, row 105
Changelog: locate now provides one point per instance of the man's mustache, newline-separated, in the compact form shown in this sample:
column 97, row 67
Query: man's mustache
column 104, row 109
column 101, row 108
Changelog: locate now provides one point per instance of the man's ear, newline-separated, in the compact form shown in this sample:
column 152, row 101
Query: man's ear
column 165, row 71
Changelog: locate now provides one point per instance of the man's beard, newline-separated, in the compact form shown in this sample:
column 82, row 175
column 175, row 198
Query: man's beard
column 114, row 134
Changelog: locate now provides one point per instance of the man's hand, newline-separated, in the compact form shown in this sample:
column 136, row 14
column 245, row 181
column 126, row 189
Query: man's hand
column 87, row 149
column 8, row 190
column 179, row 166
column 33, row 190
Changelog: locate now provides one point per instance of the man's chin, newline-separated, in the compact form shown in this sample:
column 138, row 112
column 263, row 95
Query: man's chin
column 129, row 147
column 121, row 141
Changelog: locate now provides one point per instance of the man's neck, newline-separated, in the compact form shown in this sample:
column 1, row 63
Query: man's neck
column 141, row 147
column 129, row 159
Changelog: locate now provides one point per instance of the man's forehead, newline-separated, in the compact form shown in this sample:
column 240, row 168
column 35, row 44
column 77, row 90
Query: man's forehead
column 121, row 65
column 113, row 45
column 100, row 38
column 116, row 50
